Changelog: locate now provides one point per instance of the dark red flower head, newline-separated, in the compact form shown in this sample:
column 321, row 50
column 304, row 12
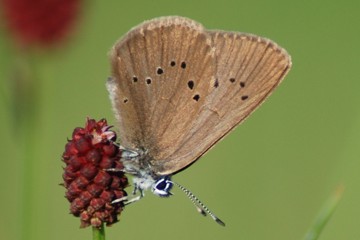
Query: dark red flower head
column 90, row 187
column 40, row 22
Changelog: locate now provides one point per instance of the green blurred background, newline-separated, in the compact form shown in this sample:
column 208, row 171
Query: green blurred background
column 266, row 180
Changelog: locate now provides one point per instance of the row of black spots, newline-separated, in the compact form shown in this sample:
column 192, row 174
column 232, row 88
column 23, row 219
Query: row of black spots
column 196, row 98
column 182, row 64
column 160, row 71
column 191, row 85
column 232, row 80
column 242, row 85
column 147, row 80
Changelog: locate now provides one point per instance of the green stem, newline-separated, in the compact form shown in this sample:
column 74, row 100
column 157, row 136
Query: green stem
column 99, row 233
column 24, row 109
column 324, row 215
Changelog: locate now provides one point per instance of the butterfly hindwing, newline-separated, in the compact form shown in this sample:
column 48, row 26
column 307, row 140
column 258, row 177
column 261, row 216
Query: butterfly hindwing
column 248, row 68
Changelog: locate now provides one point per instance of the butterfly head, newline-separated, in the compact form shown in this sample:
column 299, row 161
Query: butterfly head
column 143, row 176
column 162, row 187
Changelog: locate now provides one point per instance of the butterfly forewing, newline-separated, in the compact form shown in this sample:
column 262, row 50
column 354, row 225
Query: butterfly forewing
column 156, row 86
column 209, row 82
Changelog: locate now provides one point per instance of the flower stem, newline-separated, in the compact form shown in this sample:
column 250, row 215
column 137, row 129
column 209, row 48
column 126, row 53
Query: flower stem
column 99, row 233
column 24, row 111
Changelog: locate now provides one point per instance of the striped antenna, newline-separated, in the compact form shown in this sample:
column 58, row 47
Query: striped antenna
column 199, row 205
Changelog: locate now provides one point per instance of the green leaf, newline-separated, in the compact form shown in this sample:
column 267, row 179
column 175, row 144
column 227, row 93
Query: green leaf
column 324, row 215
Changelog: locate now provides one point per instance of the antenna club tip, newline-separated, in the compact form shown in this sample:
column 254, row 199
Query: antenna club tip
column 220, row 222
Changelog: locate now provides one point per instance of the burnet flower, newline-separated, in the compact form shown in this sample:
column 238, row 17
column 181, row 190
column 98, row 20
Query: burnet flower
column 90, row 187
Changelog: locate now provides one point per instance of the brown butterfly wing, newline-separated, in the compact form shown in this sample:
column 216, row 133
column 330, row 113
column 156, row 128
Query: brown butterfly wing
column 209, row 82
column 155, row 86
column 248, row 68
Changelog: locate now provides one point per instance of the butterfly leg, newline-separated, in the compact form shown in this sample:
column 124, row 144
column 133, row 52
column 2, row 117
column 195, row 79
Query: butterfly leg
column 128, row 154
column 126, row 201
column 132, row 200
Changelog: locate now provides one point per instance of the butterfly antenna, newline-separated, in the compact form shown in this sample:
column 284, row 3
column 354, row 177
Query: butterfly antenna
column 199, row 205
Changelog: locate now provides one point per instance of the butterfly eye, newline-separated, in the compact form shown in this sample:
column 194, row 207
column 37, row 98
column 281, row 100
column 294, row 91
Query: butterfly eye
column 162, row 187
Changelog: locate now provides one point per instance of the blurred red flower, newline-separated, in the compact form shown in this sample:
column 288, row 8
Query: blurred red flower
column 41, row 23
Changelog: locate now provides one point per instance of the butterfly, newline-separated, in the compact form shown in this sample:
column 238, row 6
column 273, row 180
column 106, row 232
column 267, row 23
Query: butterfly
column 177, row 89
